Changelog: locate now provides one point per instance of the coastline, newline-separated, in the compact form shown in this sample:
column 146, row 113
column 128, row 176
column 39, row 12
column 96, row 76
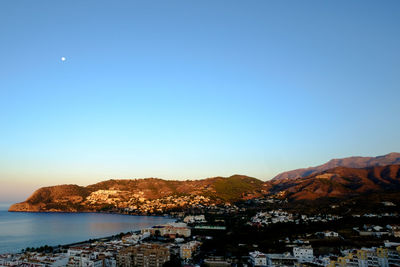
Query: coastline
column 106, row 238
column 18, row 249
column 64, row 246
column 89, row 212
column 81, row 211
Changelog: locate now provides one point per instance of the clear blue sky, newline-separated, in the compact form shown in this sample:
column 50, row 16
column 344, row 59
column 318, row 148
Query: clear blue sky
column 192, row 89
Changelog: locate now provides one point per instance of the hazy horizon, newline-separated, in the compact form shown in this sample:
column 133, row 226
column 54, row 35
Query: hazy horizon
column 94, row 90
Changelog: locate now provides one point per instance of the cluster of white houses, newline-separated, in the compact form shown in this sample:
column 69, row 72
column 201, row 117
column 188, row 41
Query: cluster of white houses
column 279, row 216
column 382, row 257
column 378, row 231
column 304, row 256
column 138, row 203
column 136, row 250
column 300, row 254
column 195, row 219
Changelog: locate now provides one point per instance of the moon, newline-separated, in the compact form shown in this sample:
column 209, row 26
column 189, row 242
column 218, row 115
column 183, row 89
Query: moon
column 63, row 59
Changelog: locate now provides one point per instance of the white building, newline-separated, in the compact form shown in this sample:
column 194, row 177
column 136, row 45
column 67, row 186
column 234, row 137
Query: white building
column 330, row 234
column 91, row 262
column 168, row 229
column 195, row 219
column 187, row 250
column 284, row 259
column 303, row 253
column 258, row 259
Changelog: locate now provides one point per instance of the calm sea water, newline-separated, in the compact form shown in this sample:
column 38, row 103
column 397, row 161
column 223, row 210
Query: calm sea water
column 19, row 230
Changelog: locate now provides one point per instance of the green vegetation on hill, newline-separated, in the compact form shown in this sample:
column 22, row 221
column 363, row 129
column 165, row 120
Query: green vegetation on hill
column 234, row 187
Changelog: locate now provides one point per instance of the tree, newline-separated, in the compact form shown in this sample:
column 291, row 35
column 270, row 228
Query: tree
column 157, row 233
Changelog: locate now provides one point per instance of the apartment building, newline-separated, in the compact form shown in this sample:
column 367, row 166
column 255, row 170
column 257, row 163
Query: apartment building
column 143, row 255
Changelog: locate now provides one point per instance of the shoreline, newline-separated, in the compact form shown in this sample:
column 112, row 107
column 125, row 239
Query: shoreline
column 87, row 241
column 87, row 212
column 105, row 238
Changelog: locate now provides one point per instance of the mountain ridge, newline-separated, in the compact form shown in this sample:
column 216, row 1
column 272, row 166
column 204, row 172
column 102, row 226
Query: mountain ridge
column 154, row 195
column 339, row 182
column 351, row 162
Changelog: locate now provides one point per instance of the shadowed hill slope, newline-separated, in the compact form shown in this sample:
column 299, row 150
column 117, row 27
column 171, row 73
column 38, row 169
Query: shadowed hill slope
column 351, row 162
column 339, row 182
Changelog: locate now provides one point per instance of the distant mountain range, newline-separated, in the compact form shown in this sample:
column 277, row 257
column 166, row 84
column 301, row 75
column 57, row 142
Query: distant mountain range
column 351, row 162
column 339, row 178
column 339, row 182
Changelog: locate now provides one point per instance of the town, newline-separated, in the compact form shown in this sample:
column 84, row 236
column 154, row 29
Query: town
column 241, row 234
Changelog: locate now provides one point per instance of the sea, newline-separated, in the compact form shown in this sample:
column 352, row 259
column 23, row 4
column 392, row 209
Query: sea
column 19, row 230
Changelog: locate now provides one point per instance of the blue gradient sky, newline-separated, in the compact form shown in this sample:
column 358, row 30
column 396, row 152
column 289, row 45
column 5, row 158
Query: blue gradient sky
column 192, row 89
